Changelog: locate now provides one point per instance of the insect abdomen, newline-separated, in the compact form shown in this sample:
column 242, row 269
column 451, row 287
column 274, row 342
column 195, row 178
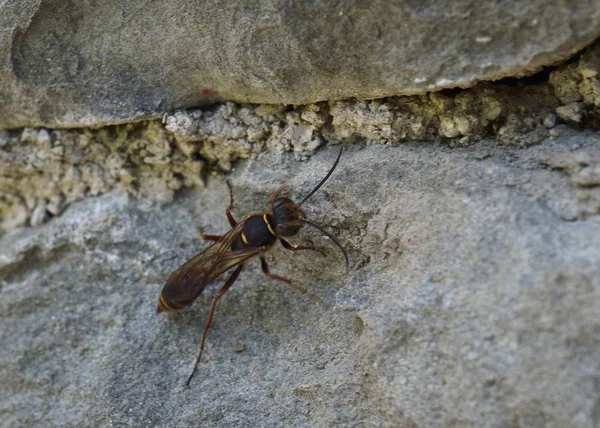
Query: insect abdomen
column 163, row 306
column 175, row 296
column 169, row 306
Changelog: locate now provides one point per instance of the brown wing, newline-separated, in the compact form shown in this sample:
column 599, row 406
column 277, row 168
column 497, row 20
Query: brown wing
column 188, row 281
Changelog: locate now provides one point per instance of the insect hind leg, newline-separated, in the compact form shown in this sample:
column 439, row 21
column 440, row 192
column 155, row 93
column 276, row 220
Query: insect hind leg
column 232, row 278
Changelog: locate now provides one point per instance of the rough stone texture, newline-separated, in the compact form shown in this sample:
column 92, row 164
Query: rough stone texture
column 472, row 299
column 66, row 64
column 43, row 170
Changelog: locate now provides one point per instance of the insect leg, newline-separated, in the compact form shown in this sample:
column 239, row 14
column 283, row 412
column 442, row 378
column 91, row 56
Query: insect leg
column 291, row 247
column 265, row 269
column 232, row 221
column 232, row 278
column 275, row 195
column 214, row 238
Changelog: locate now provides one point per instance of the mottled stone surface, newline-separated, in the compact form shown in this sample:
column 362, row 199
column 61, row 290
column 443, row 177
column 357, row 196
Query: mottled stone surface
column 66, row 64
column 472, row 299
column 42, row 171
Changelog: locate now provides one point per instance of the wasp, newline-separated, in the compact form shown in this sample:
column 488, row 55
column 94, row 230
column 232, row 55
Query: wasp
column 250, row 238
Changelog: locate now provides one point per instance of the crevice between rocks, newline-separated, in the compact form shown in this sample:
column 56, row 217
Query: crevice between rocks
column 42, row 171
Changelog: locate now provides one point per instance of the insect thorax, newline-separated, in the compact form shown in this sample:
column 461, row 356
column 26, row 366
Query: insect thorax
column 257, row 232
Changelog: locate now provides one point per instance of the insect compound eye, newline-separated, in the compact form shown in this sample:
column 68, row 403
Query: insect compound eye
column 288, row 217
column 284, row 209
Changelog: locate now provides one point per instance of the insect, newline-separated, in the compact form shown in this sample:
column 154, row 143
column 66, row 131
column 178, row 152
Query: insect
column 250, row 238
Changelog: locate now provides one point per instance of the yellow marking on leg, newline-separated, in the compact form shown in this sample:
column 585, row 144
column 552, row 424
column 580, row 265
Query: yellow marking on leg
column 271, row 231
column 244, row 239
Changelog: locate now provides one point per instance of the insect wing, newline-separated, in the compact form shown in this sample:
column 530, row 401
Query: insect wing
column 234, row 258
column 187, row 282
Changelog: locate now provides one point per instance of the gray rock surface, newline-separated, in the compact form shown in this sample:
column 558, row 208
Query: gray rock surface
column 42, row 171
column 472, row 299
column 106, row 62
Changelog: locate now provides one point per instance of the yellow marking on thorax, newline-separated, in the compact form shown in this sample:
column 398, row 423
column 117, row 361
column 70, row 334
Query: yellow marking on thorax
column 244, row 239
column 271, row 231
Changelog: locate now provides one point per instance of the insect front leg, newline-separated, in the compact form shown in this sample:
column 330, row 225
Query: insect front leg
column 232, row 221
column 291, row 247
column 275, row 195
column 232, row 278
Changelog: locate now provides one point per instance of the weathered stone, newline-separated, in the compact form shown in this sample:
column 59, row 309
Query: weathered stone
column 472, row 299
column 153, row 159
column 108, row 62
column 571, row 112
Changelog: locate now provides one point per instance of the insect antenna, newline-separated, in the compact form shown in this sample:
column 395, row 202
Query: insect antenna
column 324, row 180
column 330, row 236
